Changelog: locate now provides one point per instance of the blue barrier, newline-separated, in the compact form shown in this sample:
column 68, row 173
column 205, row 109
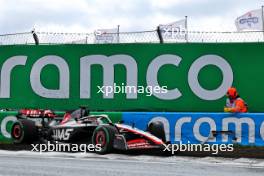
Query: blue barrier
column 244, row 128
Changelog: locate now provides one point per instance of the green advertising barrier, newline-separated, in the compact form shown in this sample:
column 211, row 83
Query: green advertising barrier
column 6, row 121
column 7, row 118
column 131, row 77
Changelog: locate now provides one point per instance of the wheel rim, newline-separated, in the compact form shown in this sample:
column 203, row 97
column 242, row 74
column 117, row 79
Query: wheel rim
column 17, row 131
column 100, row 138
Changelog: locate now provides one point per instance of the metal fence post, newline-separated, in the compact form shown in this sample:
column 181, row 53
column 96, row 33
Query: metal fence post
column 36, row 39
column 160, row 35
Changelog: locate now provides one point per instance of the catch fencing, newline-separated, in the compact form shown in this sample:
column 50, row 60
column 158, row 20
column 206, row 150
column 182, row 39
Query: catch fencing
column 154, row 36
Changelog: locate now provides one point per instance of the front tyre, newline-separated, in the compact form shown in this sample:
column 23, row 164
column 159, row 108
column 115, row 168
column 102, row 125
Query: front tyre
column 104, row 137
column 157, row 129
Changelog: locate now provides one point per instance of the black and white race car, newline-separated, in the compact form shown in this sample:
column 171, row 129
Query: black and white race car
column 80, row 127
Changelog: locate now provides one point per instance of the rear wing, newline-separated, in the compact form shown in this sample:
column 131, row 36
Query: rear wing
column 36, row 113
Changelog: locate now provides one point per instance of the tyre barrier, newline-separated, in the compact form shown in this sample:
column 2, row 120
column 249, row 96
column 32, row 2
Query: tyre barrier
column 220, row 128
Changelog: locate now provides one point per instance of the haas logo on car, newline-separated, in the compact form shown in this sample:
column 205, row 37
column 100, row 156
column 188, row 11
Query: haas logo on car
column 62, row 134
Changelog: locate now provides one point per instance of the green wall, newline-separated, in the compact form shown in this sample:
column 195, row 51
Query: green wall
column 245, row 59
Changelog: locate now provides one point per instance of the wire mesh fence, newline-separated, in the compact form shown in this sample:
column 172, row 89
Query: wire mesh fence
column 130, row 37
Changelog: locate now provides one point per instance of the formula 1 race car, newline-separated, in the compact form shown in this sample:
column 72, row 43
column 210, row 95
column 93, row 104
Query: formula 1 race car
column 80, row 127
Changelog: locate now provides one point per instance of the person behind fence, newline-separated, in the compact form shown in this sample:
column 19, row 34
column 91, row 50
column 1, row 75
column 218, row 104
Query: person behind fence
column 234, row 103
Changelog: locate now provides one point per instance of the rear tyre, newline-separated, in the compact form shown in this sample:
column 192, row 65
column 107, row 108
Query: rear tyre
column 157, row 129
column 24, row 131
column 104, row 136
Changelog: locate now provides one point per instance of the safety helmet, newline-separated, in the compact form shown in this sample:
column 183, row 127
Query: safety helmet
column 232, row 92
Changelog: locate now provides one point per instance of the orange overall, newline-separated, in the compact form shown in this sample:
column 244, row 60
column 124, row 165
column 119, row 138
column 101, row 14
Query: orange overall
column 234, row 103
